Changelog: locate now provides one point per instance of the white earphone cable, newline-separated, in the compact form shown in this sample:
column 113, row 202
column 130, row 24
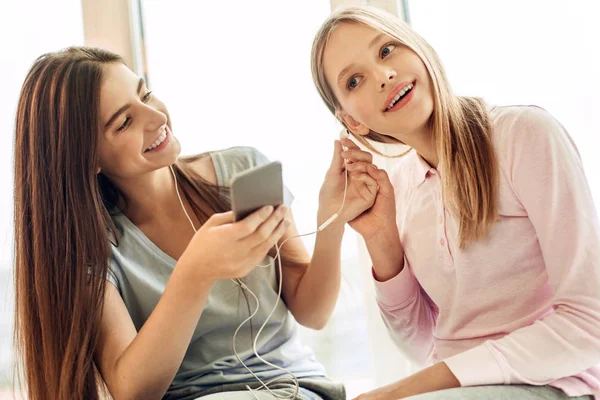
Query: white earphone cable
column 265, row 385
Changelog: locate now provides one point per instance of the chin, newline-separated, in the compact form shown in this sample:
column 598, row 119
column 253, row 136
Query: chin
column 176, row 148
column 173, row 156
column 173, row 150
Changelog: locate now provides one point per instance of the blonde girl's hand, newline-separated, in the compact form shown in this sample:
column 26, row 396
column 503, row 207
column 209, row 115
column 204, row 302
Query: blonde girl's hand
column 360, row 193
column 381, row 216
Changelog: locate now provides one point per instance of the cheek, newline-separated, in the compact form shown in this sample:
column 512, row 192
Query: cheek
column 117, row 156
column 423, row 74
column 104, row 153
column 362, row 105
column 429, row 90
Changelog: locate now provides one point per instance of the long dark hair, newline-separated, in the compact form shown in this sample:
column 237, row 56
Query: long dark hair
column 63, row 224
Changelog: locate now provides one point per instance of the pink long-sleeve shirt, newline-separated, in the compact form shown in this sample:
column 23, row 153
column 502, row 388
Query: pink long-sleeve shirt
column 521, row 305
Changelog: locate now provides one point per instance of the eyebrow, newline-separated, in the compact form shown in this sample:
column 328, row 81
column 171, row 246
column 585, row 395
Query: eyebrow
column 349, row 67
column 376, row 39
column 344, row 72
column 125, row 107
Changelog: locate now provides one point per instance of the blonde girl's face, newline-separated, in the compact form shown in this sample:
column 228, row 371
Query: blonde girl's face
column 381, row 84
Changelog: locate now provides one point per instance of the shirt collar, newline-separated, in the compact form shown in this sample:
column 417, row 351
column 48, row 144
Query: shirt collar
column 421, row 171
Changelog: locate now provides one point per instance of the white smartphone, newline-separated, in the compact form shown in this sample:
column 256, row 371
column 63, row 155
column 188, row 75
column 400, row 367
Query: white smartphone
column 256, row 187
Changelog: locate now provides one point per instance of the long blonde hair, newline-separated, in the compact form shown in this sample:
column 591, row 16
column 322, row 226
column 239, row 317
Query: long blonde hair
column 460, row 125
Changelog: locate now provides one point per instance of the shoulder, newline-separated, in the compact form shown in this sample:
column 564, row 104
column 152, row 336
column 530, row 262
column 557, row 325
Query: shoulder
column 522, row 114
column 524, row 125
column 203, row 166
column 219, row 165
column 240, row 157
column 529, row 136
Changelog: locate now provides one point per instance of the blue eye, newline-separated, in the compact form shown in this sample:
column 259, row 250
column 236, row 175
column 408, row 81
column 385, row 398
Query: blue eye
column 387, row 50
column 353, row 82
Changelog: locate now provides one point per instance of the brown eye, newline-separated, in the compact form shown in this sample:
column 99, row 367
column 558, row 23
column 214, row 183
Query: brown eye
column 147, row 97
column 124, row 125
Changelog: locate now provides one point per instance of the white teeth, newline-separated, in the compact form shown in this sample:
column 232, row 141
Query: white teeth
column 158, row 141
column 399, row 95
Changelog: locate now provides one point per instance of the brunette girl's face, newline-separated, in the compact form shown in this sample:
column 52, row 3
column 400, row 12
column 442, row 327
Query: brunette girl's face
column 135, row 131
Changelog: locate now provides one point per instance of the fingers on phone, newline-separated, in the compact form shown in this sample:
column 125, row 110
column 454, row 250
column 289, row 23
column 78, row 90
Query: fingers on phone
column 218, row 219
column 252, row 222
column 269, row 233
column 265, row 228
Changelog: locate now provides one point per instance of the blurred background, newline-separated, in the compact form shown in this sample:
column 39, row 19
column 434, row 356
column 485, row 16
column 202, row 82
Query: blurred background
column 200, row 57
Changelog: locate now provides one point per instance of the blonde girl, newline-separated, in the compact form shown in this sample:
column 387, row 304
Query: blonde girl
column 485, row 241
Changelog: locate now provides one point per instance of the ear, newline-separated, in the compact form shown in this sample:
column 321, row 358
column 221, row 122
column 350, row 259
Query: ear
column 353, row 125
column 98, row 171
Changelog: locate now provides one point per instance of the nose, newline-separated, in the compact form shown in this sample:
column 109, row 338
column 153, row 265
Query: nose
column 154, row 118
column 387, row 76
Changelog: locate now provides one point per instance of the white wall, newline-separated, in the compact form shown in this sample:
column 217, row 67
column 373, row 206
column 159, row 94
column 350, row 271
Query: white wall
column 238, row 73
column 543, row 52
column 28, row 28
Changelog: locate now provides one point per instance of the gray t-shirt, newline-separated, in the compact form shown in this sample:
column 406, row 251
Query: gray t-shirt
column 140, row 271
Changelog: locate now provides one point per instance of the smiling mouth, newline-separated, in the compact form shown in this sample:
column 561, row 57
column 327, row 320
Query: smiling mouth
column 401, row 94
column 161, row 138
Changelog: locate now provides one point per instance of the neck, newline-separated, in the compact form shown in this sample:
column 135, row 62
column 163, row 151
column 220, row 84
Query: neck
column 423, row 142
column 150, row 197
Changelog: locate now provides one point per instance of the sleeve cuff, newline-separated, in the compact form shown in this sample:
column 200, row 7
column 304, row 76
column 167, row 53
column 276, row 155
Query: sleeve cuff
column 477, row 366
column 288, row 197
column 398, row 290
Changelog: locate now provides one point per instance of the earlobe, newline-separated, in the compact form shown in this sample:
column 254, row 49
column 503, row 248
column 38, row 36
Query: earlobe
column 353, row 125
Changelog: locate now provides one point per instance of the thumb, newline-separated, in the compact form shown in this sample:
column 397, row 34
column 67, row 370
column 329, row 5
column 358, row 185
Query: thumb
column 337, row 162
column 218, row 219
column 383, row 180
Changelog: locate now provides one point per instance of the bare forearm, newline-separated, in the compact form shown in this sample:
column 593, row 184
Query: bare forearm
column 149, row 364
column 431, row 379
column 386, row 254
column 319, row 287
